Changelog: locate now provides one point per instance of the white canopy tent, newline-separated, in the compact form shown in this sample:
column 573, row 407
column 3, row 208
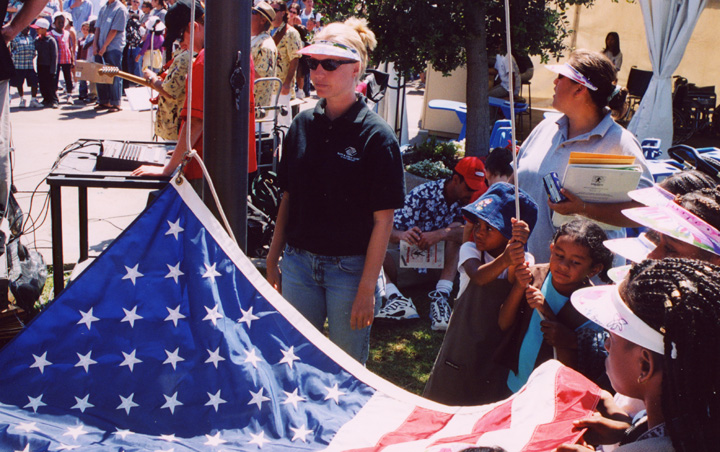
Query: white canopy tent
column 668, row 27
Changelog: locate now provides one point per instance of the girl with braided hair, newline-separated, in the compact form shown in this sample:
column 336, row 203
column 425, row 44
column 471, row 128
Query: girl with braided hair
column 663, row 323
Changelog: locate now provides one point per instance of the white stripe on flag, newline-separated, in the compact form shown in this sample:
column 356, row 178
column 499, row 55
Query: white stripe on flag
column 380, row 415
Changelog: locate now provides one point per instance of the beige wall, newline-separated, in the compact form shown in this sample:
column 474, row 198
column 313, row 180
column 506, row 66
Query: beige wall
column 700, row 64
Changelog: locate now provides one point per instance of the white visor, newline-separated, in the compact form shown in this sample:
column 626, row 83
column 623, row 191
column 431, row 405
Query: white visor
column 618, row 274
column 571, row 73
column 635, row 249
column 604, row 306
column 329, row 48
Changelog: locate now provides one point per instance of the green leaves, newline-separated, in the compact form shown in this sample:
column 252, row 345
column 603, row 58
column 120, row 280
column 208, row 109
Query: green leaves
column 412, row 33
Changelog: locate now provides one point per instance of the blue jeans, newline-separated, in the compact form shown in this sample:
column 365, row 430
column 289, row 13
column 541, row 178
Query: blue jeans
column 323, row 287
column 110, row 94
column 134, row 67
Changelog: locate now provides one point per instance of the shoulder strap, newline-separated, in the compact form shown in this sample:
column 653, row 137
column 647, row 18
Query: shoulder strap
column 280, row 34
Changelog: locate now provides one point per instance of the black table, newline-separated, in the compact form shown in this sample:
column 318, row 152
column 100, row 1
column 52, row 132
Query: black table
column 75, row 167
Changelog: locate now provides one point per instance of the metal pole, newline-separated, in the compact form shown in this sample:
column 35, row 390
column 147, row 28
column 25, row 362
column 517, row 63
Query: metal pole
column 225, row 128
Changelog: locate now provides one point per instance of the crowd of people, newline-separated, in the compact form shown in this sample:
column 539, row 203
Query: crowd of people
column 527, row 288
column 121, row 35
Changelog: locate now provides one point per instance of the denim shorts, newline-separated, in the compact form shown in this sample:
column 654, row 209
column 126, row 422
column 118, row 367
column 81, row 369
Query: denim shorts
column 323, row 287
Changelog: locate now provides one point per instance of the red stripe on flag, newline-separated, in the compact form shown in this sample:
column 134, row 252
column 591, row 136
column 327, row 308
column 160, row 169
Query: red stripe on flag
column 420, row 424
column 496, row 419
column 578, row 399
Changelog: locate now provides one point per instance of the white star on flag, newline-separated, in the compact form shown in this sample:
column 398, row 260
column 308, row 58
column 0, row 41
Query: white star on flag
column 171, row 403
column 35, row 403
column 300, row 433
column 247, row 316
column 174, row 315
column 293, row 398
column 132, row 273
column 127, row 403
column 27, row 427
column 168, row 438
column 87, row 318
column 258, row 439
column 334, row 393
column 214, row 440
column 75, row 432
column 82, row 404
column 215, row 357
column 174, row 272
column 210, row 272
column 258, row 398
column 174, row 229
column 131, row 316
column 40, row 362
column 289, row 357
column 130, row 360
column 123, row 433
column 173, row 358
column 85, row 361
column 215, row 400
column 213, row 315
column 252, row 358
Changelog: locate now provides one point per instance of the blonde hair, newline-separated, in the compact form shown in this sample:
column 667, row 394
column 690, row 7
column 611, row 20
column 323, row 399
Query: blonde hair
column 355, row 33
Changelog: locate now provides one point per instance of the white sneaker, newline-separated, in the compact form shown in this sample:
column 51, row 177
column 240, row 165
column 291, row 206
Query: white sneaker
column 300, row 94
column 22, row 103
column 35, row 104
column 398, row 308
column 439, row 310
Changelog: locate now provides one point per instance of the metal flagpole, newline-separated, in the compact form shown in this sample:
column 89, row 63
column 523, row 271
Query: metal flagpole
column 509, row 60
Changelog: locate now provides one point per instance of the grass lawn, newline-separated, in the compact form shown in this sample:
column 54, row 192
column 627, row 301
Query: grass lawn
column 403, row 352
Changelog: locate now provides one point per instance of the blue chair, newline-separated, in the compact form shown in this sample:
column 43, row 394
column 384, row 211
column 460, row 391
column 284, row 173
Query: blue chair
column 459, row 108
column 504, row 105
column 651, row 148
column 501, row 138
column 498, row 124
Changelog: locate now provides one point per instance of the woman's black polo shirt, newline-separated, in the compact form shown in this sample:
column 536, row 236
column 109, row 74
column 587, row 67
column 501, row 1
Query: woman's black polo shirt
column 338, row 173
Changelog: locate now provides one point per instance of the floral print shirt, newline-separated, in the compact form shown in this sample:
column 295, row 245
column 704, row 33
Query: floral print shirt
column 426, row 208
column 287, row 51
column 264, row 54
column 168, row 115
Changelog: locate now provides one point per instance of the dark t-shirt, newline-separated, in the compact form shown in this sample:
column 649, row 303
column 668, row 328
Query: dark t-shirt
column 6, row 65
column 338, row 173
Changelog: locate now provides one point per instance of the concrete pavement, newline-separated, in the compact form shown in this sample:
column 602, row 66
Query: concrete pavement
column 39, row 135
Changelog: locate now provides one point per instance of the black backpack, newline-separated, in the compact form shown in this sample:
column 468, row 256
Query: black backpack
column 132, row 33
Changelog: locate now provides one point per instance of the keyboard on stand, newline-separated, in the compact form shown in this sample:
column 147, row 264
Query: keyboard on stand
column 125, row 156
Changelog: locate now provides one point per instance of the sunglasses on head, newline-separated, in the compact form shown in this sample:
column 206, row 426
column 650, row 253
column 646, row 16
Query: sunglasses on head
column 328, row 65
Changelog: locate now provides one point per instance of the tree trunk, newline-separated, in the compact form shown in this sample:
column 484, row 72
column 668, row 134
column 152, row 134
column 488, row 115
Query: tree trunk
column 477, row 141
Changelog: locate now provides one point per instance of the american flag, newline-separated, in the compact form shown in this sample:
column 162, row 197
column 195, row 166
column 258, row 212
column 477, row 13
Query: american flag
column 172, row 341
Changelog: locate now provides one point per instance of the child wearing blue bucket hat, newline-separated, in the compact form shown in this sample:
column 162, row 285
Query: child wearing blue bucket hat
column 464, row 372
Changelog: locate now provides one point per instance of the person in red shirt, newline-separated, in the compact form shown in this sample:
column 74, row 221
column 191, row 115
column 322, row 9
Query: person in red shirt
column 177, row 22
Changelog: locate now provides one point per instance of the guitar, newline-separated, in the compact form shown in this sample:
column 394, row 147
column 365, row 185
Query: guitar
column 113, row 71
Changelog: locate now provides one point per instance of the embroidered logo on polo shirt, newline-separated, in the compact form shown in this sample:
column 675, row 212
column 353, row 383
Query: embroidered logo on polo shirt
column 350, row 154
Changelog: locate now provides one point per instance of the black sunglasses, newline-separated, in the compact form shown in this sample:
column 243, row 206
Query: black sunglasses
column 328, row 65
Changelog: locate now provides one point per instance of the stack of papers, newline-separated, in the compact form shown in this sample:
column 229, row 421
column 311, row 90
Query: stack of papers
column 599, row 178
